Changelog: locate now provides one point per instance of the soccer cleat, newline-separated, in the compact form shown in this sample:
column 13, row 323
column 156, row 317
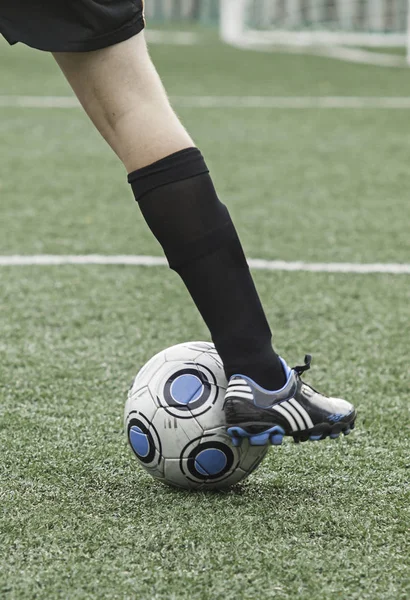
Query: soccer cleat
column 296, row 410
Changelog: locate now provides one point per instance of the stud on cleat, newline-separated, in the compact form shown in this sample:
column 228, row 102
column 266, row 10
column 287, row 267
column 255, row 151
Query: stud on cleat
column 236, row 433
column 346, row 432
column 259, row 440
column 276, row 439
column 274, row 435
column 333, row 436
column 315, row 438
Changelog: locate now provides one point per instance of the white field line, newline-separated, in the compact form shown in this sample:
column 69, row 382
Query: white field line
column 295, row 102
column 252, row 102
column 328, row 49
column 174, row 38
column 361, row 56
column 354, row 55
column 153, row 261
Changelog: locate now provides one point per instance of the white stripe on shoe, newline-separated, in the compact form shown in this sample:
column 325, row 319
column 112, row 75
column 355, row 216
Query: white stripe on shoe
column 236, row 381
column 287, row 406
column 239, row 388
column 303, row 412
column 246, row 395
column 279, row 408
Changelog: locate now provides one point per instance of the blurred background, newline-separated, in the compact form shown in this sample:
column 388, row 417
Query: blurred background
column 205, row 11
column 262, row 24
column 376, row 15
column 362, row 16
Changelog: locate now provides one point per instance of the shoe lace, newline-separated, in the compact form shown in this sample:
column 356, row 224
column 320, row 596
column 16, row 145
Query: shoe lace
column 302, row 368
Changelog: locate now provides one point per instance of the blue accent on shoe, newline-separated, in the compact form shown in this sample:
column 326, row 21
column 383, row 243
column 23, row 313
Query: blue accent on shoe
column 287, row 370
column 336, row 417
column 139, row 441
column 237, row 432
column 259, row 440
column 333, row 436
column 274, row 435
column 276, row 439
column 210, row 462
column 346, row 432
column 315, row 438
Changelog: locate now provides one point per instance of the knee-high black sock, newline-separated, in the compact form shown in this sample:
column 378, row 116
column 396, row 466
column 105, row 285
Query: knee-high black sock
column 179, row 203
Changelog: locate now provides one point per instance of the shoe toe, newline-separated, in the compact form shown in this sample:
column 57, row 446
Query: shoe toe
column 342, row 406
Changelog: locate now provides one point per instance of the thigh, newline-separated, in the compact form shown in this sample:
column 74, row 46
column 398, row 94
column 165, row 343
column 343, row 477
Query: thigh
column 70, row 25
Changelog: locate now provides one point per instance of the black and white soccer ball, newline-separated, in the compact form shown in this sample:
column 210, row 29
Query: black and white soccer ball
column 175, row 423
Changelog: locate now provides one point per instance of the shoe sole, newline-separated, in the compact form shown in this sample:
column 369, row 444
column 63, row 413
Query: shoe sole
column 275, row 434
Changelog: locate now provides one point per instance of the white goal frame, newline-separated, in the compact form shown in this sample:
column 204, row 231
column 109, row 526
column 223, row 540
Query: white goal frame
column 234, row 32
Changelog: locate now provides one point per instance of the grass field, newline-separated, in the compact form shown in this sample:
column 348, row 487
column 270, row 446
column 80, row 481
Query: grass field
column 78, row 518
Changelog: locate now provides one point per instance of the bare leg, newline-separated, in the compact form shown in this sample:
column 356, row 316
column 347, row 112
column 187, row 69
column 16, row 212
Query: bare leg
column 122, row 94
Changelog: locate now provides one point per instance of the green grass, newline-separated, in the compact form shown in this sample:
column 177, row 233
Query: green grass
column 78, row 518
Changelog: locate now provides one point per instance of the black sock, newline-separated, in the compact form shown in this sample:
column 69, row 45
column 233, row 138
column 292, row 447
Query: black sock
column 178, row 201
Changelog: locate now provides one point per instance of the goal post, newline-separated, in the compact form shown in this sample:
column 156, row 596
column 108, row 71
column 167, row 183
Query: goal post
column 317, row 23
column 408, row 33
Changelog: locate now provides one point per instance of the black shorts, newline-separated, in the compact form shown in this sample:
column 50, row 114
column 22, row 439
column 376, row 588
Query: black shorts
column 70, row 25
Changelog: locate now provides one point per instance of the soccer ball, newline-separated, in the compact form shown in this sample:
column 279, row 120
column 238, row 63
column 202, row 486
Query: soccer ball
column 175, row 423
